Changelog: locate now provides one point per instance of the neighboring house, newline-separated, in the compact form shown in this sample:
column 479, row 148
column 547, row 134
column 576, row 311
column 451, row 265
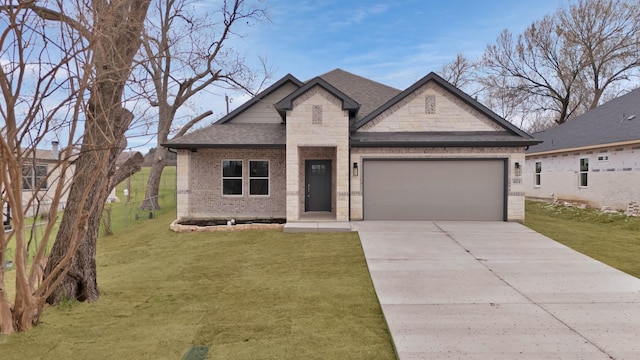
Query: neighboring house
column 40, row 177
column 593, row 159
column 342, row 147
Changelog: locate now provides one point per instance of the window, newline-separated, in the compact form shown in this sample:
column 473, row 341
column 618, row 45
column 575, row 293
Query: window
column 603, row 158
column 584, row 171
column 231, row 177
column 34, row 177
column 538, row 172
column 258, row 177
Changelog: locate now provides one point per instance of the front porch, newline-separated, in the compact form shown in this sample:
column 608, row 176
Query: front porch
column 315, row 175
column 318, row 226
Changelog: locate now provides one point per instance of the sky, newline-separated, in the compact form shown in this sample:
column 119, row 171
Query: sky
column 392, row 42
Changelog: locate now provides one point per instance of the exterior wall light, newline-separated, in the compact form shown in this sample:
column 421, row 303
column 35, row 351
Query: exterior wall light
column 355, row 169
column 518, row 169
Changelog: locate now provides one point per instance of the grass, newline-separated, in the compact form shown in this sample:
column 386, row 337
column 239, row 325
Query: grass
column 122, row 214
column 612, row 238
column 246, row 295
column 126, row 214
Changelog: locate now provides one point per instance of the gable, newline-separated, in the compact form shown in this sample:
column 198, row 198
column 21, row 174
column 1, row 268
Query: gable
column 317, row 111
column 430, row 108
column 263, row 111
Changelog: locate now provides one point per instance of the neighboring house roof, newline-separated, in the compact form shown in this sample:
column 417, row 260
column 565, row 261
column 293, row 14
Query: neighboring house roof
column 233, row 135
column 616, row 121
column 44, row 155
column 287, row 78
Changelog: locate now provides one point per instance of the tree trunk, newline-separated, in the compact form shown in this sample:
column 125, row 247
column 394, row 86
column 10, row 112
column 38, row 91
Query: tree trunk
column 117, row 26
column 80, row 283
column 5, row 308
column 153, row 184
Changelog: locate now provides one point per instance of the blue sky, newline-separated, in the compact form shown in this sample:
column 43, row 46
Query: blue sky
column 392, row 42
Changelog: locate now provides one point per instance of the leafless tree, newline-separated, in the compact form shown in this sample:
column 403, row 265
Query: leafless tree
column 43, row 83
column 461, row 72
column 607, row 32
column 538, row 64
column 114, row 33
column 565, row 63
column 185, row 53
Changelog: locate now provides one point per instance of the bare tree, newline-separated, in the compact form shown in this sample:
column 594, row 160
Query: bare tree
column 538, row 64
column 43, row 83
column 565, row 63
column 498, row 94
column 183, row 54
column 607, row 32
column 461, row 72
column 114, row 34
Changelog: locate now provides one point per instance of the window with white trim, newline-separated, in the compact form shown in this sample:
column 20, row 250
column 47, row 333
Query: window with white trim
column 258, row 177
column 34, row 177
column 231, row 177
column 584, row 172
column 538, row 173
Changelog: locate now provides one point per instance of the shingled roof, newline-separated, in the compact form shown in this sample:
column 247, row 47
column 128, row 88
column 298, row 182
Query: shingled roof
column 368, row 93
column 616, row 121
column 233, row 136
column 364, row 99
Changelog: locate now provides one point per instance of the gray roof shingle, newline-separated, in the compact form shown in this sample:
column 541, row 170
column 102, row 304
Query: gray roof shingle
column 440, row 138
column 615, row 121
column 368, row 93
column 232, row 135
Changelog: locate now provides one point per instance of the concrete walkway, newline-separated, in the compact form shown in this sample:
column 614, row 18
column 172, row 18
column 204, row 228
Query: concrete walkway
column 493, row 290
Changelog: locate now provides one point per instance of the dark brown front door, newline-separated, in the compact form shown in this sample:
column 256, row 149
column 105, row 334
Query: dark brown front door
column 317, row 185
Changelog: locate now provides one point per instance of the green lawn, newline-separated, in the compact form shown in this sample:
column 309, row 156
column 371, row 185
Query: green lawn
column 125, row 214
column 246, row 295
column 612, row 238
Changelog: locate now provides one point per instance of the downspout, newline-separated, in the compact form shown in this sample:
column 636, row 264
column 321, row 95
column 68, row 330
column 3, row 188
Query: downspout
column 175, row 196
column 349, row 170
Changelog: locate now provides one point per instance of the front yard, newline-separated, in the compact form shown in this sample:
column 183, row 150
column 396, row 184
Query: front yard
column 611, row 238
column 246, row 295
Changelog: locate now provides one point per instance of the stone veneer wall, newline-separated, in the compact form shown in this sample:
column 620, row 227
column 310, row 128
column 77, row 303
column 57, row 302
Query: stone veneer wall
column 329, row 130
column 430, row 108
column 515, row 188
column 201, row 173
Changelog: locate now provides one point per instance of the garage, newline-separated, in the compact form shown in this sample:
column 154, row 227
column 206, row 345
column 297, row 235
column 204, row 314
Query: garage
column 444, row 189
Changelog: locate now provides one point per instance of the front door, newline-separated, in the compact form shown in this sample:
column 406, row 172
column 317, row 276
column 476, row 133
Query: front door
column 317, row 185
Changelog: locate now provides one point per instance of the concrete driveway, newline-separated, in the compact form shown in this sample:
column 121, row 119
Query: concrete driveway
column 495, row 290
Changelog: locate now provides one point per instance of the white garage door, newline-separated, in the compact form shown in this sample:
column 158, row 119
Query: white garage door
column 434, row 189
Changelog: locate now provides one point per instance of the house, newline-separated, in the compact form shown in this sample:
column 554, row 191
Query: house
column 592, row 159
column 343, row 147
column 40, row 176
